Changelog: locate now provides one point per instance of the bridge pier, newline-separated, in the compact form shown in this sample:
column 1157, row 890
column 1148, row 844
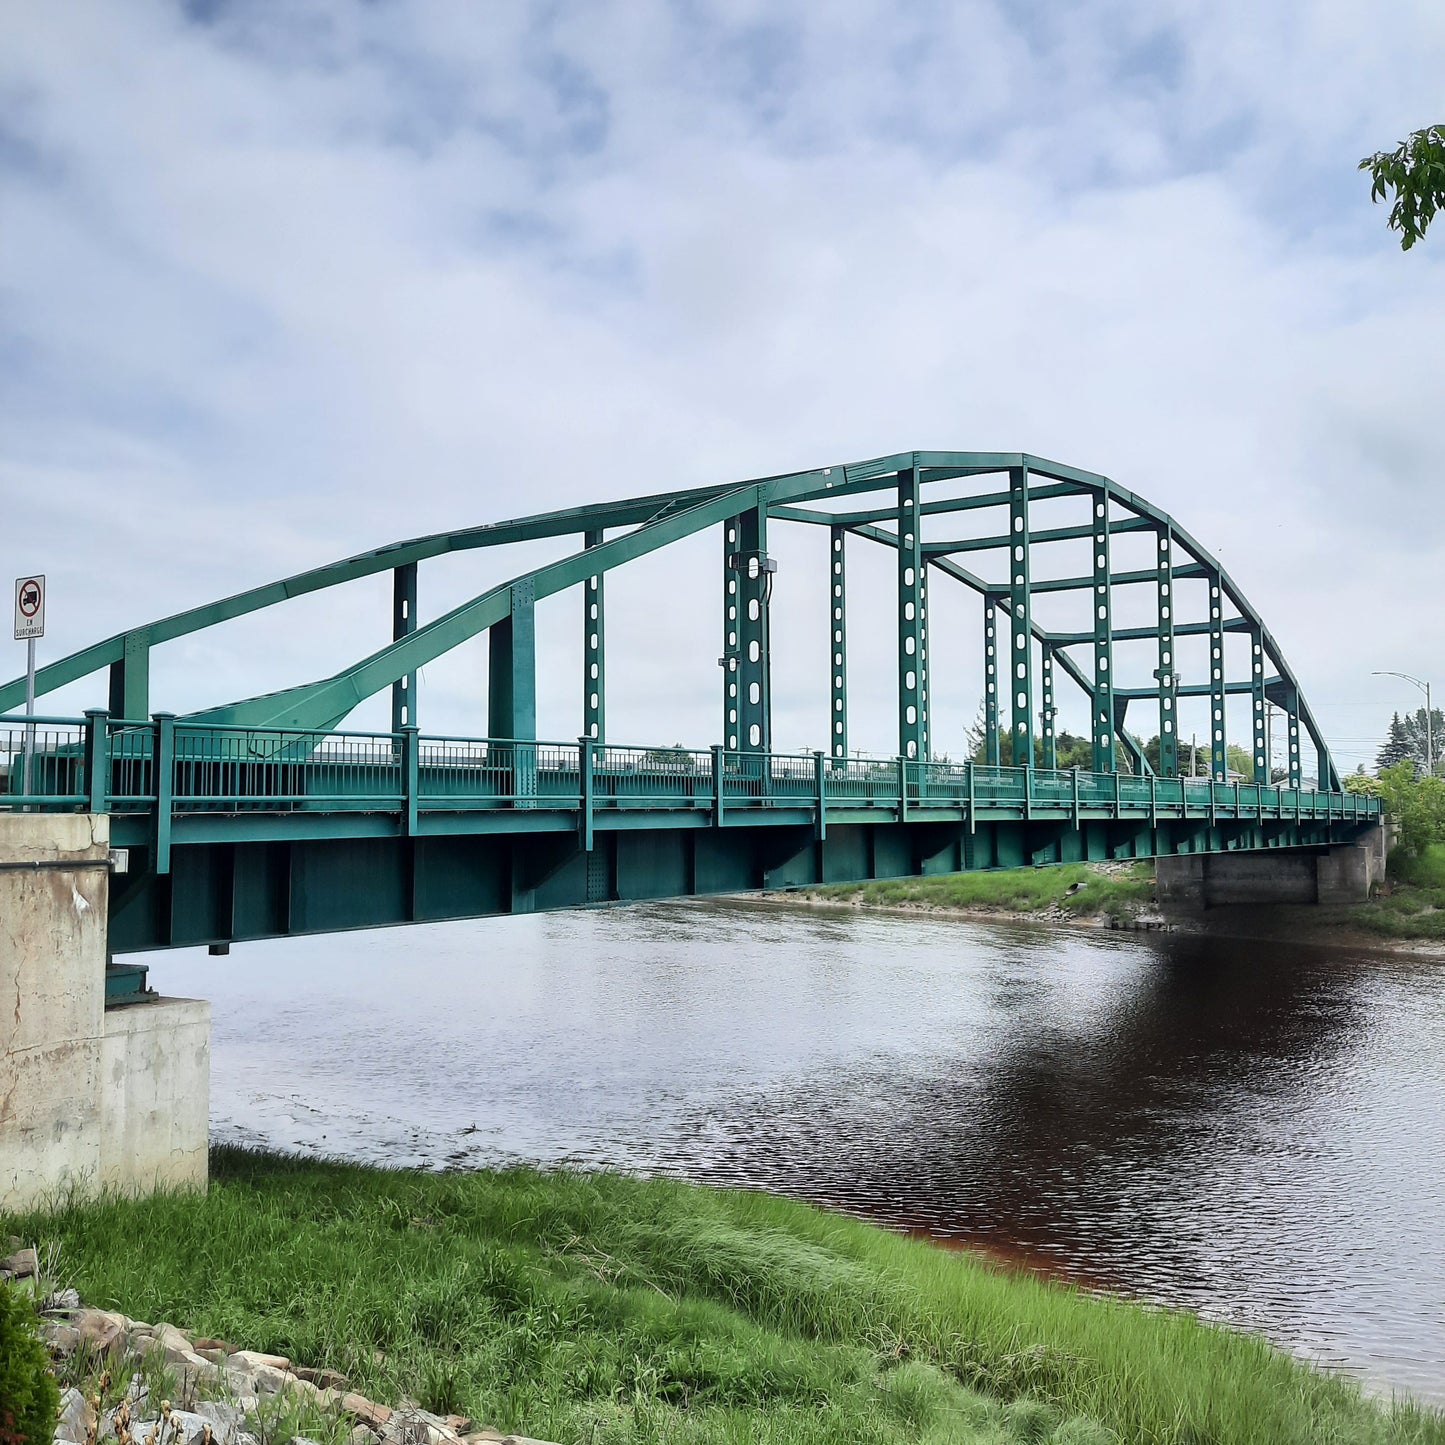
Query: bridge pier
column 91, row 1098
column 1339, row 874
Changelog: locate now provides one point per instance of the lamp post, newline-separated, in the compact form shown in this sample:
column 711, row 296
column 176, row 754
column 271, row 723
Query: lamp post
column 1429, row 718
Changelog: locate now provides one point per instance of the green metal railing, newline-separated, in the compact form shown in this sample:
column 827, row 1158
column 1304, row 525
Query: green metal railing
column 170, row 769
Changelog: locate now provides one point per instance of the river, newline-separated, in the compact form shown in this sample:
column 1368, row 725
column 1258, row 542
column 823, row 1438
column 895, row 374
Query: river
column 1252, row 1130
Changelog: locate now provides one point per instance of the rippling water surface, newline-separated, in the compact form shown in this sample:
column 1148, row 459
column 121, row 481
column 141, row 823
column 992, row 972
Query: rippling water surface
column 1256, row 1131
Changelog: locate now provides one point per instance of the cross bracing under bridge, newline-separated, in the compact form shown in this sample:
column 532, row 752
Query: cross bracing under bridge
column 894, row 502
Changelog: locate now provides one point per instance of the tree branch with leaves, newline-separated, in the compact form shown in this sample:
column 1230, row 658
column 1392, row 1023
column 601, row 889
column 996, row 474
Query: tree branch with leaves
column 1414, row 173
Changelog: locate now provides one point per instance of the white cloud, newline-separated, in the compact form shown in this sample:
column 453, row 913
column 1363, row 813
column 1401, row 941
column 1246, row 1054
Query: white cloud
column 309, row 278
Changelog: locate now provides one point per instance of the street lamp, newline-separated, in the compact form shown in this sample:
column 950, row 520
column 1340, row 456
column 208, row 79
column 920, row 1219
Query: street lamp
column 1429, row 718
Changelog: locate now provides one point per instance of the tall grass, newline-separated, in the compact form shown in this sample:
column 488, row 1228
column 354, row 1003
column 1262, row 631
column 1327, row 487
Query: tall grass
column 600, row 1308
column 1076, row 888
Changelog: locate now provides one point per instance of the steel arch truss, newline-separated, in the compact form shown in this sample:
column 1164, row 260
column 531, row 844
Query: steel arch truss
column 889, row 501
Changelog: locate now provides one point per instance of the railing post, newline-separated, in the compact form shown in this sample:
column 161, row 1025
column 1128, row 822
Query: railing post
column 1076, row 799
column 1153, row 800
column 902, row 789
column 97, row 759
column 585, row 760
column 717, row 785
column 165, row 763
column 968, row 774
column 819, row 777
column 411, row 775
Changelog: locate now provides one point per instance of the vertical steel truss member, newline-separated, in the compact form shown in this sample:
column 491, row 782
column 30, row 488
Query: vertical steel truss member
column 403, row 623
column 838, row 631
column 1102, row 719
column 747, row 709
column 924, row 688
column 594, row 652
column 1047, row 712
column 1166, row 671
column 1218, row 740
column 130, row 679
column 990, row 679
column 1259, row 708
column 512, row 690
column 1292, row 738
column 1020, row 665
column 910, row 616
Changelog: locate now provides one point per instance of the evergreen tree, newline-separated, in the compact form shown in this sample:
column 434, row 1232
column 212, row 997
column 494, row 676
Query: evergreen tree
column 1416, row 734
column 1396, row 748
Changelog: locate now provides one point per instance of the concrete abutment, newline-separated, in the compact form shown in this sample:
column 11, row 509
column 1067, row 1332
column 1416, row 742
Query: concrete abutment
column 1340, row 874
column 90, row 1098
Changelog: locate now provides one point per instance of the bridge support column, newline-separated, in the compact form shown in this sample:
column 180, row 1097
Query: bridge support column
column 90, row 1097
column 1340, row 874
column 1218, row 741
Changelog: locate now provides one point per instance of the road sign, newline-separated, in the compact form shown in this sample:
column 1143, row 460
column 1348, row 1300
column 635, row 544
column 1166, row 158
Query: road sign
column 29, row 607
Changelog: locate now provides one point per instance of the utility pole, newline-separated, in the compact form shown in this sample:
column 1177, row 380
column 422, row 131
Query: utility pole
column 1429, row 718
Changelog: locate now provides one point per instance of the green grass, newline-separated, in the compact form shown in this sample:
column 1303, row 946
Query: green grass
column 600, row 1308
column 1414, row 908
column 1078, row 888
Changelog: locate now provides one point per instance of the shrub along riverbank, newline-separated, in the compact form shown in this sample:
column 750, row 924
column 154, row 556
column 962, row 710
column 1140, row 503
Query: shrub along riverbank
column 600, row 1308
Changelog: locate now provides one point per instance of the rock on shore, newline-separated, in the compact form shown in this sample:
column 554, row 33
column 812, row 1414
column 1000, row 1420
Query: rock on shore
column 223, row 1388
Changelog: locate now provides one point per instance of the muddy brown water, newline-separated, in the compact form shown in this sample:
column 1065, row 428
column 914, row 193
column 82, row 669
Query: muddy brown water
column 1255, row 1131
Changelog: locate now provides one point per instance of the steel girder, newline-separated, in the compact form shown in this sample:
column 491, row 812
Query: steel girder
column 645, row 524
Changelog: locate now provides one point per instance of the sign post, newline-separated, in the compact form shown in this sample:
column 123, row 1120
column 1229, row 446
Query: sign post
column 29, row 624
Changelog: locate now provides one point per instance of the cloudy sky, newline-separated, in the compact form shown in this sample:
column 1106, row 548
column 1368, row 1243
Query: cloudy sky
column 281, row 282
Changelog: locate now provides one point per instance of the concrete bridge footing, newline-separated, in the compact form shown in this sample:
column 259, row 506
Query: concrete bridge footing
column 1340, row 874
column 90, row 1098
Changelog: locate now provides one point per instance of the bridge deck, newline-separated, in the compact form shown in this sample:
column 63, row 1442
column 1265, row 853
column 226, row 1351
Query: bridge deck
column 183, row 782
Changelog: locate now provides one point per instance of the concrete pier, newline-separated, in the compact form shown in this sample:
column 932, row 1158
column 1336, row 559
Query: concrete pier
column 1344, row 873
column 90, row 1097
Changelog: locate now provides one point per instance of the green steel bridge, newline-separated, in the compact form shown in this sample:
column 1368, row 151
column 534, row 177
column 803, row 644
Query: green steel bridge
column 264, row 817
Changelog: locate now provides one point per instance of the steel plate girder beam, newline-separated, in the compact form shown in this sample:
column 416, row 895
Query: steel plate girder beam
column 129, row 679
column 910, row 617
column 838, row 648
column 594, row 650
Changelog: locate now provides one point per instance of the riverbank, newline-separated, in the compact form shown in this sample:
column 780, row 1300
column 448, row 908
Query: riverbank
column 602, row 1308
column 1406, row 916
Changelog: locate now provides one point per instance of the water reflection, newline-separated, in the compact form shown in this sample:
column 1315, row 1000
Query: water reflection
column 1249, row 1129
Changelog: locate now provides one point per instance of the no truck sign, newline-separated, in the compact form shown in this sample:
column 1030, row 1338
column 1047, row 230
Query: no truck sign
column 29, row 607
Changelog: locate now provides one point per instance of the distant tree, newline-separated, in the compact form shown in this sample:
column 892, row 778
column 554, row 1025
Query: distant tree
column 1417, row 734
column 1414, row 174
column 1417, row 806
column 1396, row 747
column 1239, row 761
